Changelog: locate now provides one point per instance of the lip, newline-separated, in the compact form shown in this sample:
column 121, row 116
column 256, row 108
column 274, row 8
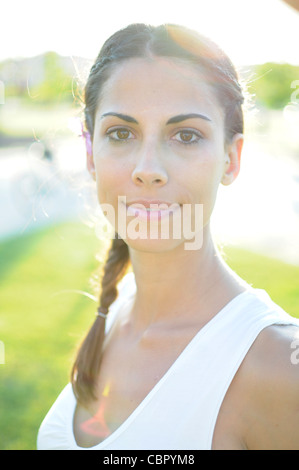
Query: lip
column 151, row 209
column 147, row 203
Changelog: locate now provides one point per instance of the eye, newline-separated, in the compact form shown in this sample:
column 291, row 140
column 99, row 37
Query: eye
column 120, row 135
column 187, row 136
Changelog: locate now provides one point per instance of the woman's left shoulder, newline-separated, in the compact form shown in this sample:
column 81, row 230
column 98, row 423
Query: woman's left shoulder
column 271, row 374
column 276, row 351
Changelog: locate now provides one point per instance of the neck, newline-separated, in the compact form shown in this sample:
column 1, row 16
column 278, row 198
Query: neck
column 177, row 285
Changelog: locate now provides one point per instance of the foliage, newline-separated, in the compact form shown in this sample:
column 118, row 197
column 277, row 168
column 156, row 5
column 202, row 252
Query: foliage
column 42, row 79
column 270, row 83
column 57, row 82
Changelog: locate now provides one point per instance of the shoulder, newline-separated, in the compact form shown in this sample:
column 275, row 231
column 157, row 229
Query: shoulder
column 269, row 377
column 275, row 355
column 53, row 432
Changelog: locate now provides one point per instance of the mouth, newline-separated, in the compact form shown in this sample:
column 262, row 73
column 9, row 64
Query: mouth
column 152, row 210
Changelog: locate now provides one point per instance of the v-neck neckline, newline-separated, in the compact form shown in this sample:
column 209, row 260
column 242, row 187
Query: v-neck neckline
column 126, row 423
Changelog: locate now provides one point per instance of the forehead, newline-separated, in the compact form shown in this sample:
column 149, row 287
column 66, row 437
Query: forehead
column 158, row 85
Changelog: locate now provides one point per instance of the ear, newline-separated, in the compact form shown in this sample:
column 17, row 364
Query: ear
column 89, row 155
column 90, row 166
column 233, row 159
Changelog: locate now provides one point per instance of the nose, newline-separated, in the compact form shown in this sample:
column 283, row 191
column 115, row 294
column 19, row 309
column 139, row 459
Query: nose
column 149, row 169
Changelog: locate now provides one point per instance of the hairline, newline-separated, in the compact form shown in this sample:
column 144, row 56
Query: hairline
column 110, row 68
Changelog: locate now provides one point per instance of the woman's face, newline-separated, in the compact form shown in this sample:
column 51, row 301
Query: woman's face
column 159, row 139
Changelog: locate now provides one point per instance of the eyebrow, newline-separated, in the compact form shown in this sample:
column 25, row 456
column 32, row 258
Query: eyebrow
column 173, row 120
column 183, row 117
column 124, row 117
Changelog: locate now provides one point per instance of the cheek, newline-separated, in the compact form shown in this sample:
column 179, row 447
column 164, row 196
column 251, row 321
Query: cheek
column 111, row 178
column 205, row 176
column 204, row 180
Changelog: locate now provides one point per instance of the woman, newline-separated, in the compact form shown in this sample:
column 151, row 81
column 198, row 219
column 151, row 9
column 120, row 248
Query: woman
column 193, row 357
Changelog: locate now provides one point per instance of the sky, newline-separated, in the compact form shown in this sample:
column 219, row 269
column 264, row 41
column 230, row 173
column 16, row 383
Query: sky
column 250, row 32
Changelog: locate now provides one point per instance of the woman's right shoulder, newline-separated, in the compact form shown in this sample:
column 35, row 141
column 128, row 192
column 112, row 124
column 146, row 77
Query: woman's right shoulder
column 53, row 432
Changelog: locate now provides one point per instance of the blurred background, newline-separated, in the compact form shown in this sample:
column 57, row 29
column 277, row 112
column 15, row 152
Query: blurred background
column 49, row 248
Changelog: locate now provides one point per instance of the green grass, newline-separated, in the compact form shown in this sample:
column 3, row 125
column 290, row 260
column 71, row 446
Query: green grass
column 279, row 279
column 42, row 322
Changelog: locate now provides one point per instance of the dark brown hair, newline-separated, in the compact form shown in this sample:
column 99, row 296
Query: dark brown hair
column 139, row 41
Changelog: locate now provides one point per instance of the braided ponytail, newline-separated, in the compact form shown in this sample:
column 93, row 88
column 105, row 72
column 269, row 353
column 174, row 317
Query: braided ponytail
column 86, row 367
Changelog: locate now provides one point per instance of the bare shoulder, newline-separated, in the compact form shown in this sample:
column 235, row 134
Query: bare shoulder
column 269, row 376
column 275, row 348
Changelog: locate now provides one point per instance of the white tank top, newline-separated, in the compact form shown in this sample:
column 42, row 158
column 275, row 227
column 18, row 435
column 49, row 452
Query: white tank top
column 180, row 412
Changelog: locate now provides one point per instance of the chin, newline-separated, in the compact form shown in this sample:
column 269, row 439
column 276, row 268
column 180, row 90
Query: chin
column 165, row 245
column 155, row 246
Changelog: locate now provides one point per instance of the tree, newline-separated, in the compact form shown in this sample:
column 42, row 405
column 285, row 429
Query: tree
column 272, row 84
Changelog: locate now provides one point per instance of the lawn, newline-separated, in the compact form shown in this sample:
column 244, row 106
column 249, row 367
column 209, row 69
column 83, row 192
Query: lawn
column 41, row 322
column 43, row 316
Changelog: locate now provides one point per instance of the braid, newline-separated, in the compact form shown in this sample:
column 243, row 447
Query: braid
column 86, row 368
column 114, row 270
